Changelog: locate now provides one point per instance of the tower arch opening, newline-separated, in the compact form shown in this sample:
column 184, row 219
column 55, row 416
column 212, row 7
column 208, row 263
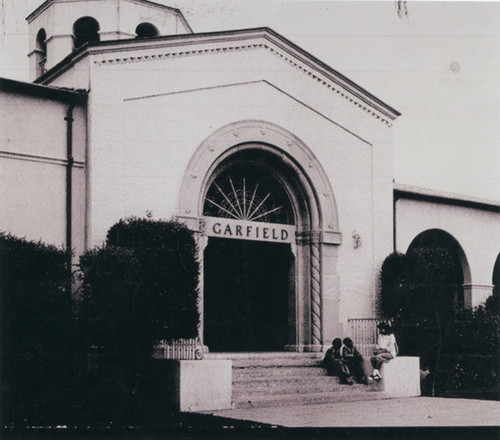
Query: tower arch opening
column 146, row 30
column 85, row 30
column 41, row 51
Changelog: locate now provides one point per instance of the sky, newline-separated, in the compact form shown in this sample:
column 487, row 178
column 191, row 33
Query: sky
column 439, row 66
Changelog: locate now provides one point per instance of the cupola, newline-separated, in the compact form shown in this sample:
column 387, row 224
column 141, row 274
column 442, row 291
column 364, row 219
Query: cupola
column 58, row 27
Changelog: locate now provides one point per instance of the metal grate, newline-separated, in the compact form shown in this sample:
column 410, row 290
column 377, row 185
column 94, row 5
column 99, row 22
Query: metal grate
column 363, row 332
column 181, row 349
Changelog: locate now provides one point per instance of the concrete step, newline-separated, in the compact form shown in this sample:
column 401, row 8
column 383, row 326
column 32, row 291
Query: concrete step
column 308, row 399
column 277, row 362
column 288, row 379
column 249, row 393
column 261, row 382
column 275, row 372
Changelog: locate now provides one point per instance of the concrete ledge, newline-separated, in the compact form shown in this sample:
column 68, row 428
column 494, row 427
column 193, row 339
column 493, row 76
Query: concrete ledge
column 400, row 376
column 203, row 385
column 195, row 385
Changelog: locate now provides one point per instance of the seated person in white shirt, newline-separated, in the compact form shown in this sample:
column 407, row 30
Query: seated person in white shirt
column 385, row 350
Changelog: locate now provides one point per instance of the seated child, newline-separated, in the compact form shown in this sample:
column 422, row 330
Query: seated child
column 354, row 361
column 385, row 350
column 334, row 363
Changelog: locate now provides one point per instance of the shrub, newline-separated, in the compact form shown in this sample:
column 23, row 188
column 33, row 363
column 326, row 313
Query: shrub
column 138, row 289
column 35, row 331
column 419, row 290
column 167, row 257
column 142, row 286
column 395, row 279
column 114, row 309
column 475, row 331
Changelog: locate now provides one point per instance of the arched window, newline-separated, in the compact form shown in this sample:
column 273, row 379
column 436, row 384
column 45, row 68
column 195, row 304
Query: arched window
column 41, row 52
column 248, row 191
column 146, row 30
column 85, row 30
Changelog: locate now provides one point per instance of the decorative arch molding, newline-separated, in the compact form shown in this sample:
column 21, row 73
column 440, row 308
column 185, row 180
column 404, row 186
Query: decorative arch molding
column 310, row 192
column 292, row 151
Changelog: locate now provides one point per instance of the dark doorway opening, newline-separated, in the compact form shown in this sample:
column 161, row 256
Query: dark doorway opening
column 248, row 295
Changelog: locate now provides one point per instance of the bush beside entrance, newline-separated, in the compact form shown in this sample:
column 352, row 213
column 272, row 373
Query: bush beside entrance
column 458, row 347
column 87, row 362
column 137, row 290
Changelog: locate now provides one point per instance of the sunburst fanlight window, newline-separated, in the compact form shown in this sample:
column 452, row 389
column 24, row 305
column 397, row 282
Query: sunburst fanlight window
column 248, row 195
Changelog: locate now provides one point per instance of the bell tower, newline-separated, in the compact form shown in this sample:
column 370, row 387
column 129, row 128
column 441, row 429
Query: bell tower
column 59, row 27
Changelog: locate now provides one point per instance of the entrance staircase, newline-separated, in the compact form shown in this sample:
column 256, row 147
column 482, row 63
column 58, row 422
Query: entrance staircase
column 288, row 379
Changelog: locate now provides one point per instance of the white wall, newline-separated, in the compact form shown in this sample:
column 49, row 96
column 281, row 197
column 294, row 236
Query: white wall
column 477, row 232
column 33, row 169
column 141, row 147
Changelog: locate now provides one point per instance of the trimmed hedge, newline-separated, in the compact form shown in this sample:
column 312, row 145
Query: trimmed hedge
column 138, row 289
column 35, row 332
column 167, row 256
column 145, row 278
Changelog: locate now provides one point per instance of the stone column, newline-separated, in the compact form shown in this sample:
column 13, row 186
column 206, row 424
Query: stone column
column 311, row 240
column 316, row 294
column 202, row 242
column 197, row 226
column 476, row 294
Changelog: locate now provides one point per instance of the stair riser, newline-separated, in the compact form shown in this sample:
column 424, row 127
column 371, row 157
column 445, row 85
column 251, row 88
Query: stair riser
column 239, row 373
column 283, row 382
column 294, row 400
column 245, row 394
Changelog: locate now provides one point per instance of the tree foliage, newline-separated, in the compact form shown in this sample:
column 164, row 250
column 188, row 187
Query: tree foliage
column 35, row 332
column 420, row 291
column 419, row 285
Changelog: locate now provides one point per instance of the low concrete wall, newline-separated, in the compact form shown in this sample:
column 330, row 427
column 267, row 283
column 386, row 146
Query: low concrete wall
column 203, row 385
column 400, row 376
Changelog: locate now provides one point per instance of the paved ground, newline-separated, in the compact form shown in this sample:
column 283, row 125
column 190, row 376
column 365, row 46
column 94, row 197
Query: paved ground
column 407, row 412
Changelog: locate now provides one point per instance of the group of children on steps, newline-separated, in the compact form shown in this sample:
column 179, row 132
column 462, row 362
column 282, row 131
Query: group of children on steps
column 344, row 360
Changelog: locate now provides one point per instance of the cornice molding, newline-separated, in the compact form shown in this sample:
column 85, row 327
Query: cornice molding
column 229, row 41
column 327, row 80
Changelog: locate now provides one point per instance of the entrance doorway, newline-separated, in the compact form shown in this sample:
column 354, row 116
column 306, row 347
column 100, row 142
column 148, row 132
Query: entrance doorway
column 248, row 295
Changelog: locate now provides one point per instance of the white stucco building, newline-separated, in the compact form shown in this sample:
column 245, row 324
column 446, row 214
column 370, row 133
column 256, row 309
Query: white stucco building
column 281, row 166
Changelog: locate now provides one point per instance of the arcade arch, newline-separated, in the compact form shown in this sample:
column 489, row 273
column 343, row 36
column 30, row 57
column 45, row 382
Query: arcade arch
column 496, row 277
column 438, row 238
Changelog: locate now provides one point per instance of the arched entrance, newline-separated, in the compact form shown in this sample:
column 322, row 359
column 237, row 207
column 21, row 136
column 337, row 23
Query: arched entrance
column 266, row 224
column 249, row 285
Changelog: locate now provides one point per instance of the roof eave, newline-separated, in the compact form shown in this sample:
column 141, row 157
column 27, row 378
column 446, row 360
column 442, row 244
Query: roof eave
column 409, row 192
column 73, row 96
column 272, row 36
